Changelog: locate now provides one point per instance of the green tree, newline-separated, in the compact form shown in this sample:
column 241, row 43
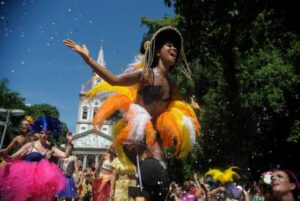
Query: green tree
column 244, row 56
column 13, row 100
column 10, row 100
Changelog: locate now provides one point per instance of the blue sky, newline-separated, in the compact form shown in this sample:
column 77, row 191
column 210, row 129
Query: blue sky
column 42, row 69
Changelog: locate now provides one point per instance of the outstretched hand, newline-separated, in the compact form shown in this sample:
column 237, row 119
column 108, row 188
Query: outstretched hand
column 69, row 137
column 80, row 49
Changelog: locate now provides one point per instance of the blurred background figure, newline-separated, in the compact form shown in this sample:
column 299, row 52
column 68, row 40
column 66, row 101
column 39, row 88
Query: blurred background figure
column 101, row 185
column 25, row 135
column 69, row 167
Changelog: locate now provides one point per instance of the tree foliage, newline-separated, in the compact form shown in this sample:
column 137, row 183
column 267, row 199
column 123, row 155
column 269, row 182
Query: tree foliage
column 13, row 100
column 244, row 56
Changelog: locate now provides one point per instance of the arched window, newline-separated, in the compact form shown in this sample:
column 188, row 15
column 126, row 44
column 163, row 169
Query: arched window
column 84, row 112
column 95, row 110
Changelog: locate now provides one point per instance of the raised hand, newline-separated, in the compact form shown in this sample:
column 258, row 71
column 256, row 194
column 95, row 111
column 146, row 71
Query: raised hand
column 81, row 50
column 69, row 137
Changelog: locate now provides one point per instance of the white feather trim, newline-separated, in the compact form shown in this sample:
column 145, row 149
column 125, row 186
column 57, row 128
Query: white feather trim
column 189, row 124
column 137, row 117
column 137, row 59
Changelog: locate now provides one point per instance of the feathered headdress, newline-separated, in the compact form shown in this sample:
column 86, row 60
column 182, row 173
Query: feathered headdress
column 47, row 124
column 224, row 177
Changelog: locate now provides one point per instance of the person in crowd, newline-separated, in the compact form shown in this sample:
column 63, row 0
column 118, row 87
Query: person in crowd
column 188, row 192
column 122, row 177
column 25, row 135
column 101, row 185
column 226, row 188
column 28, row 174
column 174, row 192
column 87, row 184
column 69, row 167
column 78, row 179
column 285, row 186
column 201, row 189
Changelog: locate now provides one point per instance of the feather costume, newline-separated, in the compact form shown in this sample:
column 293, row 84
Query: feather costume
column 178, row 126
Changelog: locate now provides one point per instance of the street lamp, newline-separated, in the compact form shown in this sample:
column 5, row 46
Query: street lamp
column 12, row 112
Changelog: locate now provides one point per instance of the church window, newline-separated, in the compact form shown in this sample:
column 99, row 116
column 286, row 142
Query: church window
column 95, row 110
column 84, row 112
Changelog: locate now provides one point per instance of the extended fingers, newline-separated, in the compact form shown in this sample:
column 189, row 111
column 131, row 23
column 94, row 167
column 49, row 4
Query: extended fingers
column 70, row 43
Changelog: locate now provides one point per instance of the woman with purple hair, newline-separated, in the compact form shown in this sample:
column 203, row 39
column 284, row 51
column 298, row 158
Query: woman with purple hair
column 285, row 186
column 28, row 174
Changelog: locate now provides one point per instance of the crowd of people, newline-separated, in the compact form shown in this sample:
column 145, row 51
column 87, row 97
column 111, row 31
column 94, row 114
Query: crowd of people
column 111, row 179
column 280, row 185
column 154, row 118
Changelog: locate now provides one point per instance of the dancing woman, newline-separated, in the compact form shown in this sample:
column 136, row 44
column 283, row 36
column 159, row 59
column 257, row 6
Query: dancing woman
column 28, row 174
column 149, row 100
column 153, row 115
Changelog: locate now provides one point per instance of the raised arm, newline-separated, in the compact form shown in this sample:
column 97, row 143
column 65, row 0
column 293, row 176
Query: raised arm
column 60, row 154
column 125, row 79
column 200, row 190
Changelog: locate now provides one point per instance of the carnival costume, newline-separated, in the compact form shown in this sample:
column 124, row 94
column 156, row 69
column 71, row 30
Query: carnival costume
column 70, row 191
column 226, row 178
column 34, row 177
column 101, row 185
column 177, row 126
column 125, row 178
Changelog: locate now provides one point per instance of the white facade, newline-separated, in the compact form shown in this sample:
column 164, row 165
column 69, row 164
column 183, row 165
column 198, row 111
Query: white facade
column 89, row 143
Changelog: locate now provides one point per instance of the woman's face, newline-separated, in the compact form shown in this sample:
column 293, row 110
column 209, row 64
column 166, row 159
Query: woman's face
column 106, row 155
column 25, row 126
column 168, row 53
column 281, row 183
column 178, row 191
column 43, row 136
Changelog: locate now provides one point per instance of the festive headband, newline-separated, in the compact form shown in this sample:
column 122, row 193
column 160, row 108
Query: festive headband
column 30, row 119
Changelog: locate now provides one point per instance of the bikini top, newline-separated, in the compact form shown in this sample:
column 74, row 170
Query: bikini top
column 151, row 92
column 35, row 155
column 106, row 165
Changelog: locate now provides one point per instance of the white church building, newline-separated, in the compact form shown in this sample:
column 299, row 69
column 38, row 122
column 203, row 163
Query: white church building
column 90, row 143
